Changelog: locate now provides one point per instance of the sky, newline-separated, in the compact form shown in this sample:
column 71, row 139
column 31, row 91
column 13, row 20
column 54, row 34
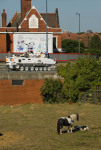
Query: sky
column 89, row 10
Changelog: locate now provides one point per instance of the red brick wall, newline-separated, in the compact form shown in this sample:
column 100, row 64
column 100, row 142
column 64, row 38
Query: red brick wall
column 3, row 42
column 25, row 24
column 25, row 7
column 27, row 93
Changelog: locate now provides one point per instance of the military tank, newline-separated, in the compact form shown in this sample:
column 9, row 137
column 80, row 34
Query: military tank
column 30, row 62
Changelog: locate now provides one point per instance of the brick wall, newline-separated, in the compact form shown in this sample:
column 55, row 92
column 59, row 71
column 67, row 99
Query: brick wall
column 25, row 23
column 27, row 93
column 25, row 7
column 3, row 43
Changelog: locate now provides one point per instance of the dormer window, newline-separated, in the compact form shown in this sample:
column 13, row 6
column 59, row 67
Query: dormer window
column 33, row 22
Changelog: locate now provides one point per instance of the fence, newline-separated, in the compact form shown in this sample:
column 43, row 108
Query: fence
column 92, row 97
column 67, row 56
column 59, row 57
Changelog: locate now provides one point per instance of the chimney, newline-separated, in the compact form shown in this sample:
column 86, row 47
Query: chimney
column 57, row 17
column 25, row 7
column 4, row 19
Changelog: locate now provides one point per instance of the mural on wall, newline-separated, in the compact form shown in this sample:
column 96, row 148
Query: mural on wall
column 34, row 42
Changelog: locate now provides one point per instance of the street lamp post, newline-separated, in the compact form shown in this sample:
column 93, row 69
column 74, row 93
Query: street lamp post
column 79, row 30
column 46, row 28
column 0, row 27
column 0, row 19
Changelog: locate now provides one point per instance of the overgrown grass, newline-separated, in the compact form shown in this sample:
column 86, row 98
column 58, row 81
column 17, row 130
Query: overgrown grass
column 33, row 127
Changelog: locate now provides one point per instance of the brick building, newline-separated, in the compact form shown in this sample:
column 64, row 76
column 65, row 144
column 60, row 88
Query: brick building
column 28, row 29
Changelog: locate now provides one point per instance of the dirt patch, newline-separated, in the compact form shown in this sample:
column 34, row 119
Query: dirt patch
column 10, row 138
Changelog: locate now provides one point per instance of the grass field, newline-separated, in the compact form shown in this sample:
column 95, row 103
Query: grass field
column 33, row 127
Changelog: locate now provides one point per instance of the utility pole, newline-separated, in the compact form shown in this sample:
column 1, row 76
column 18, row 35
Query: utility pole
column 46, row 28
column 79, row 30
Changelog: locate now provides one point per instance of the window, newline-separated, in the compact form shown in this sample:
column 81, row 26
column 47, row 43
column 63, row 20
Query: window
column 17, row 82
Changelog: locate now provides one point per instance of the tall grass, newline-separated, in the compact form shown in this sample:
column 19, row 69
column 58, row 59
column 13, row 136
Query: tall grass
column 33, row 127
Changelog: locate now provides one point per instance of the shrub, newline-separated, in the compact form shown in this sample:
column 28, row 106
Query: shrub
column 94, row 51
column 51, row 91
column 79, row 77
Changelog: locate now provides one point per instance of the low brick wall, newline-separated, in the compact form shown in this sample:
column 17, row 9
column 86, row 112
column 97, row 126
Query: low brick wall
column 27, row 75
column 20, row 94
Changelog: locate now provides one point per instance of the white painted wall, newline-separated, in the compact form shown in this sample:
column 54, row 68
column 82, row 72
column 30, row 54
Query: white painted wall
column 37, row 41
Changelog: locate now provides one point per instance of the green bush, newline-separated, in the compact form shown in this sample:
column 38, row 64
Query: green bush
column 51, row 91
column 80, row 76
column 94, row 51
column 72, row 46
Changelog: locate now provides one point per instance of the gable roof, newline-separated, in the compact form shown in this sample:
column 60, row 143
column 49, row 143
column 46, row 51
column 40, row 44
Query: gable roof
column 52, row 20
column 15, row 20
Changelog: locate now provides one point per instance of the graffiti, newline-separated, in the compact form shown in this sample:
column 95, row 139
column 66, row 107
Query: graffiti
column 35, row 42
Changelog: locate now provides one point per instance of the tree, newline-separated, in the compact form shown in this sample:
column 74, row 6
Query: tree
column 51, row 91
column 94, row 46
column 80, row 76
column 71, row 46
column 95, row 42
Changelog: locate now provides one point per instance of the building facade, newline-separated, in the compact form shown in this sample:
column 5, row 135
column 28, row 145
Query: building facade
column 28, row 30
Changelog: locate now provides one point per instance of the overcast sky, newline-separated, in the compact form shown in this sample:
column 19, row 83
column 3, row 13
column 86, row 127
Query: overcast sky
column 90, row 12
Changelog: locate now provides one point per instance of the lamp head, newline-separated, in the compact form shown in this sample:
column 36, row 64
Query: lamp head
column 77, row 14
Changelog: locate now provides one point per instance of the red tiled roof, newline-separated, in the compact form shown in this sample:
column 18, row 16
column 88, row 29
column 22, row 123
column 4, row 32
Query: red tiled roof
column 85, row 37
column 51, row 19
column 15, row 20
